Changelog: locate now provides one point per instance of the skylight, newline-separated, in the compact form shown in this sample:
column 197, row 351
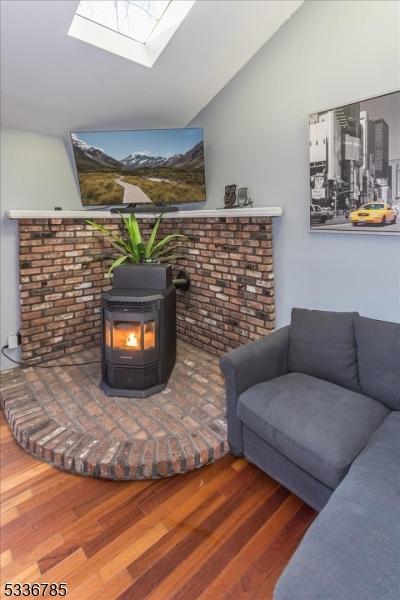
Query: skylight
column 134, row 18
column 135, row 29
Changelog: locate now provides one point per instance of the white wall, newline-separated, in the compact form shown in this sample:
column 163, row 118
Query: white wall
column 328, row 54
column 35, row 173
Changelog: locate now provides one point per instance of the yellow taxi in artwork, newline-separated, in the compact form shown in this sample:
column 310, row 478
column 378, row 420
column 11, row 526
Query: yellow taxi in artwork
column 374, row 213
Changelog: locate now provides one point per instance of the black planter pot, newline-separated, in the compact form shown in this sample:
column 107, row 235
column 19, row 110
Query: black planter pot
column 150, row 276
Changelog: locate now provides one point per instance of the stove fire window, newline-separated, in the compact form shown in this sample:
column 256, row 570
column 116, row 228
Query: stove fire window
column 149, row 335
column 130, row 335
column 126, row 335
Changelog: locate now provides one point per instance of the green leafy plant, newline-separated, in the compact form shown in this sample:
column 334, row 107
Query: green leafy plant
column 131, row 247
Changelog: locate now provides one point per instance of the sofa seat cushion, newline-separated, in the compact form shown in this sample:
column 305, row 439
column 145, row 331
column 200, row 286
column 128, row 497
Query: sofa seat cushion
column 322, row 344
column 378, row 349
column 318, row 425
column 352, row 550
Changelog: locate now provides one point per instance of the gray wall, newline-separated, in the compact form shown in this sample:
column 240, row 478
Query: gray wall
column 327, row 54
column 35, row 174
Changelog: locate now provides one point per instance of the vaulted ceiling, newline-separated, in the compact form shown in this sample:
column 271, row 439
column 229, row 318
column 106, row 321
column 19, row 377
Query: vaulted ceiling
column 52, row 83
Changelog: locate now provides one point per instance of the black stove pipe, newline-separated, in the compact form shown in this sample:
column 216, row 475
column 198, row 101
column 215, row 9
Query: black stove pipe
column 182, row 281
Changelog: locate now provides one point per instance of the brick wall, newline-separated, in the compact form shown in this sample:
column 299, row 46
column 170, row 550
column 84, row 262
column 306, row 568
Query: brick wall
column 231, row 300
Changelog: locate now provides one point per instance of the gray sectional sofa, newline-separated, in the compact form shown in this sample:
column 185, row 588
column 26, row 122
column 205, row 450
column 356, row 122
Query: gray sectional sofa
column 316, row 405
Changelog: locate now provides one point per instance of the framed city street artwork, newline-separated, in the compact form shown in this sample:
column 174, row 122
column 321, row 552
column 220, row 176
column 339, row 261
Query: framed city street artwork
column 355, row 167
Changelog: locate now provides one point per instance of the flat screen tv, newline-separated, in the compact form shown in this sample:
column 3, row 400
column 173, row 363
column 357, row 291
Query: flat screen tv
column 161, row 166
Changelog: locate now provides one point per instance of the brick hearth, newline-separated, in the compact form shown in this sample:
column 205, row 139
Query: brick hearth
column 60, row 415
column 231, row 300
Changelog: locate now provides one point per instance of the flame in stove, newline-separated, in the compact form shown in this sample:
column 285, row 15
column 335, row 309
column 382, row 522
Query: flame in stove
column 132, row 341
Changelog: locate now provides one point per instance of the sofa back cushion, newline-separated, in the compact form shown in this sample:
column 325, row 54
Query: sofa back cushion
column 378, row 354
column 322, row 344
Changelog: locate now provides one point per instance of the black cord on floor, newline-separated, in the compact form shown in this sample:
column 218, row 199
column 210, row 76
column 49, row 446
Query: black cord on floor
column 41, row 366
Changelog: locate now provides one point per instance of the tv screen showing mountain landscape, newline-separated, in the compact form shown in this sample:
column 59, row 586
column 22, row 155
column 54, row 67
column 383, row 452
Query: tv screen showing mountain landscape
column 164, row 166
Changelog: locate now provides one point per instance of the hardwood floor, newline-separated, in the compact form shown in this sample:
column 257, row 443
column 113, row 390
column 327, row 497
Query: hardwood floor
column 225, row 531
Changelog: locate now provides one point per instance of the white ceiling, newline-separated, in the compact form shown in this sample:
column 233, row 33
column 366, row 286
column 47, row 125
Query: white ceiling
column 52, row 83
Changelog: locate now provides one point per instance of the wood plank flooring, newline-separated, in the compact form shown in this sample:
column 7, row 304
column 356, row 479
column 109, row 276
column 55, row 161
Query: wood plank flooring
column 225, row 531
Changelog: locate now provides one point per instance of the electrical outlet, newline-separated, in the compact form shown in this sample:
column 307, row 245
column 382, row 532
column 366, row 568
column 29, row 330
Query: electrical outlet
column 13, row 341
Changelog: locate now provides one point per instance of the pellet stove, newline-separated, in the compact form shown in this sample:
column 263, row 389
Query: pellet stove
column 138, row 331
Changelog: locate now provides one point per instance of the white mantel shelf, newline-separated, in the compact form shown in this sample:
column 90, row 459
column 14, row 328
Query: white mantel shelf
column 264, row 211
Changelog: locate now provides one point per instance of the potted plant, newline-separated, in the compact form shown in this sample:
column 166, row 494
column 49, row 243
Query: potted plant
column 132, row 248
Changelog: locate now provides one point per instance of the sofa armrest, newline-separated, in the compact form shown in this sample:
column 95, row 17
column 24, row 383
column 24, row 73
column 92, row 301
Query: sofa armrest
column 242, row 368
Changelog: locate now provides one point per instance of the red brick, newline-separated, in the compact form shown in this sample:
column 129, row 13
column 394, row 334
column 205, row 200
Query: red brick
column 221, row 251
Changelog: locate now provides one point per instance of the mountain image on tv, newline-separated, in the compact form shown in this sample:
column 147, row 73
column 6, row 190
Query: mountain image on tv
column 163, row 166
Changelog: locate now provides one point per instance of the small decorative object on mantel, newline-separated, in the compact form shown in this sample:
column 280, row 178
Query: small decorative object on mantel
column 242, row 200
column 230, row 196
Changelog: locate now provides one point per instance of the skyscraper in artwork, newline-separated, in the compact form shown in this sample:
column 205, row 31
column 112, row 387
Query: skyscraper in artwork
column 381, row 149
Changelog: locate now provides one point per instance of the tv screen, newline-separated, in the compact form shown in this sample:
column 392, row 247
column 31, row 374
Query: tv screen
column 163, row 166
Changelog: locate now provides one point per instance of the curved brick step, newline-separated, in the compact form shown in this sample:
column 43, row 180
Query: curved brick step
column 61, row 416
